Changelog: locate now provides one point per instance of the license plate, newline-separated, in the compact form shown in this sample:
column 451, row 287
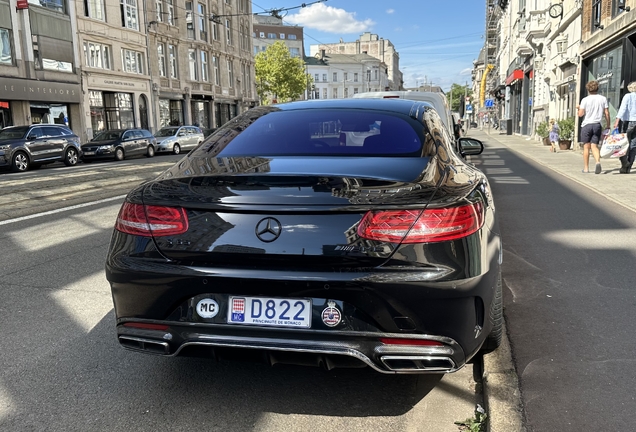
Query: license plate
column 265, row 311
column 89, row 153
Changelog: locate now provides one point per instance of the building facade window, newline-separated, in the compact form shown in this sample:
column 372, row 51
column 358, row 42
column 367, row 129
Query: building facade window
column 230, row 72
column 98, row 113
column 56, row 5
column 335, row 76
column 294, row 52
column 205, row 71
column 94, row 9
column 129, row 14
column 261, row 35
column 228, row 31
column 335, row 93
column 172, row 57
column 215, row 31
column 355, row 77
column 97, row 55
column 203, row 33
column 618, row 6
column 324, row 78
column 607, row 70
column 170, row 12
column 282, row 35
column 316, row 77
column 324, row 93
column 161, row 55
column 132, row 61
column 271, row 35
column 189, row 20
column 596, row 14
column 119, row 110
column 159, row 8
column 194, row 67
column 215, row 64
column 346, row 93
column 291, row 36
column 6, row 53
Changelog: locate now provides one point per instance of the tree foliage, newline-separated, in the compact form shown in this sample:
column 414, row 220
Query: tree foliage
column 279, row 76
column 457, row 95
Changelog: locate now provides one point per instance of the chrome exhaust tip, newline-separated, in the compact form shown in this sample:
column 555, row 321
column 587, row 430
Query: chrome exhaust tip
column 145, row 345
column 405, row 363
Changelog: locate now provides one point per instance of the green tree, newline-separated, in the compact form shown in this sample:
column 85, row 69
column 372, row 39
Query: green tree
column 458, row 93
column 279, row 76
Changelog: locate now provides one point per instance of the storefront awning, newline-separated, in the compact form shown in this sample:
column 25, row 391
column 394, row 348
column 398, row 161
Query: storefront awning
column 516, row 74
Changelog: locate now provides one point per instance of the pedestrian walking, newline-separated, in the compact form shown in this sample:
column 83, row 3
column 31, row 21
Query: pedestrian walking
column 593, row 107
column 627, row 114
column 554, row 136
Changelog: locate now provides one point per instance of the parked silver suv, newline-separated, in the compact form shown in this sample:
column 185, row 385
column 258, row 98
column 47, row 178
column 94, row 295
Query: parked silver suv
column 176, row 138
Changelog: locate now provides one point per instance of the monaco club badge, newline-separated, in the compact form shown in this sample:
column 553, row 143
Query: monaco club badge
column 331, row 315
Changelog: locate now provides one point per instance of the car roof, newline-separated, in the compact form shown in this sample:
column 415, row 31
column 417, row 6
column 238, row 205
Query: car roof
column 396, row 105
column 437, row 100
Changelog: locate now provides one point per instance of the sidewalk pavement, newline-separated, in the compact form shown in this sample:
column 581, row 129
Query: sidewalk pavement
column 617, row 187
column 502, row 395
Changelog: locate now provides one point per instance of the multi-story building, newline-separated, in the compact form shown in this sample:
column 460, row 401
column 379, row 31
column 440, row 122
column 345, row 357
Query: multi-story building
column 268, row 29
column 116, row 89
column 108, row 64
column 380, row 48
column 201, row 63
column 338, row 76
column 39, row 79
column 608, row 48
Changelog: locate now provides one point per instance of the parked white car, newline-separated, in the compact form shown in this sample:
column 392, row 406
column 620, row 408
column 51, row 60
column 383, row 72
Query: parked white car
column 177, row 138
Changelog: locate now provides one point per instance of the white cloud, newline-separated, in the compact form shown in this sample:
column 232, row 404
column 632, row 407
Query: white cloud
column 390, row 11
column 329, row 19
column 466, row 71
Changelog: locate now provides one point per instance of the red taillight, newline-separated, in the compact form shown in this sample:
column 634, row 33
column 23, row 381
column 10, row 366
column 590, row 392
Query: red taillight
column 415, row 226
column 151, row 221
column 147, row 326
column 418, row 342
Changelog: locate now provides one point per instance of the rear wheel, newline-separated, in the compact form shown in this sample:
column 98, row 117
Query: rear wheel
column 20, row 162
column 72, row 157
column 150, row 152
column 176, row 149
column 493, row 340
column 119, row 154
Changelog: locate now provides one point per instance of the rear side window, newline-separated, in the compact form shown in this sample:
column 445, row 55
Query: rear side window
column 329, row 132
column 52, row 131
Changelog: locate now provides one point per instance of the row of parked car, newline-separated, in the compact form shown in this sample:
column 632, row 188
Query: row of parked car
column 25, row 147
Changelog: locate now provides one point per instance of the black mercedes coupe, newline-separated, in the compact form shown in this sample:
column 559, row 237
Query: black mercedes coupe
column 334, row 233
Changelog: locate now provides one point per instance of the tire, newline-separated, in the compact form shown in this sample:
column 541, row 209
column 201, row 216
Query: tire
column 150, row 151
column 20, row 162
column 493, row 340
column 71, row 158
column 176, row 149
column 119, row 154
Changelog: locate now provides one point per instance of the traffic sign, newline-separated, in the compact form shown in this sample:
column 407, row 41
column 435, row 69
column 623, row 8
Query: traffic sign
column 469, row 108
column 490, row 103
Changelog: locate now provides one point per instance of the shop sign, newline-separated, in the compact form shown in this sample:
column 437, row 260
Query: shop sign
column 117, row 83
column 22, row 4
column 604, row 78
column 42, row 91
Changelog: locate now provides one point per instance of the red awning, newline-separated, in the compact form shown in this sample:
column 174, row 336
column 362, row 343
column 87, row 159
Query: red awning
column 517, row 74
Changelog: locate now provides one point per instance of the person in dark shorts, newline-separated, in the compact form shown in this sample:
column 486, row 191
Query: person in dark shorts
column 593, row 107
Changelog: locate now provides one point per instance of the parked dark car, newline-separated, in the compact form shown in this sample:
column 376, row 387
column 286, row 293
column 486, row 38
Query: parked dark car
column 288, row 238
column 173, row 139
column 118, row 144
column 23, row 147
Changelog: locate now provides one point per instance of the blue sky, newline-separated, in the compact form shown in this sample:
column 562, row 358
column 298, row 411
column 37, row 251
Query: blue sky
column 437, row 39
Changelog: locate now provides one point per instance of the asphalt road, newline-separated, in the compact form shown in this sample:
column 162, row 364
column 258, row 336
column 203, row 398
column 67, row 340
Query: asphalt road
column 63, row 370
column 570, row 296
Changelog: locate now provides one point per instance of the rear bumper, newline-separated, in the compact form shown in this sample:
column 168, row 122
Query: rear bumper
column 327, row 349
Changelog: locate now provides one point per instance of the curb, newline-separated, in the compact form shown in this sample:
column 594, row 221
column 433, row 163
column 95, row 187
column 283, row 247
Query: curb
column 502, row 395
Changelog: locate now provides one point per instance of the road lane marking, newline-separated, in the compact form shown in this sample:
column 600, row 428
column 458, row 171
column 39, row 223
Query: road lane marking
column 61, row 210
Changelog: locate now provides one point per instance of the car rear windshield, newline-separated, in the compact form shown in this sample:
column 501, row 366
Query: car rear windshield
column 166, row 132
column 326, row 132
column 14, row 132
column 107, row 136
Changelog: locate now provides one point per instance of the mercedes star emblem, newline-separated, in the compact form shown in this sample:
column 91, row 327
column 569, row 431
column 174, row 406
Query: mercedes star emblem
column 268, row 229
